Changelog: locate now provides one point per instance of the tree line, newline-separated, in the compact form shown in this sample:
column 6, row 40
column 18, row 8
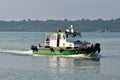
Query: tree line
column 83, row 25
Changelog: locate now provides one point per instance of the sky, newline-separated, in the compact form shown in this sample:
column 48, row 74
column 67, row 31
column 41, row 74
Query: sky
column 59, row 9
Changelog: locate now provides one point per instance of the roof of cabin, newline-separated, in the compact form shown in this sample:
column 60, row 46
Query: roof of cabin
column 50, row 33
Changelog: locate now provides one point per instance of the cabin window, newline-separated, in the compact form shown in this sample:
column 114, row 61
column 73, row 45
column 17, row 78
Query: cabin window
column 72, row 35
column 53, row 37
column 70, row 45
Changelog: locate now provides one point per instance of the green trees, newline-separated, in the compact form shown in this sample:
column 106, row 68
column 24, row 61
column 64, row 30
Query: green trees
column 84, row 25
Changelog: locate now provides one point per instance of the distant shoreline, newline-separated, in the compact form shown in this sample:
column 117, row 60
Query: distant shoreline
column 84, row 25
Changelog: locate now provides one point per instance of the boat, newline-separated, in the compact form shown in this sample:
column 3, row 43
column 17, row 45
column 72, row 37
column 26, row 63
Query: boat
column 67, row 42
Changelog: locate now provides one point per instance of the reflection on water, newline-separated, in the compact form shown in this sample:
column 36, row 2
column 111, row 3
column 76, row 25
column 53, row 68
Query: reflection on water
column 65, row 65
column 57, row 64
column 87, row 64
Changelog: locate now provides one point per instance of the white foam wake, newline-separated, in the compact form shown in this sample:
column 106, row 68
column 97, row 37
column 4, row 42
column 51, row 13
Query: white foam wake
column 97, row 56
column 17, row 51
column 75, row 56
column 69, row 56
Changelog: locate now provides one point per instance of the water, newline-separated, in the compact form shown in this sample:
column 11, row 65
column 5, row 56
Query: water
column 18, row 63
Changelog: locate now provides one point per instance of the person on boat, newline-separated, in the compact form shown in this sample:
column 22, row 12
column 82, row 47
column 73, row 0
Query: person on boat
column 39, row 45
column 47, row 42
column 58, row 30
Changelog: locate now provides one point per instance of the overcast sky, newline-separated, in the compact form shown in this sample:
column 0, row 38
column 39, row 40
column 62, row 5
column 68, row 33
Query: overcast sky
column 59, row 9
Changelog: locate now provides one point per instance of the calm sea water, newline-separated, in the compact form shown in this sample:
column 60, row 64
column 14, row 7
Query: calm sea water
column 18, row 63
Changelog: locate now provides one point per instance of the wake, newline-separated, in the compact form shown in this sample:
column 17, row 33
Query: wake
column 29, row 52
column 82, row 56
column 97, row 56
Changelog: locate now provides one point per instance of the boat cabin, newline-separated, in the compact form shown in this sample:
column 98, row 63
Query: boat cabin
column 70, row 38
